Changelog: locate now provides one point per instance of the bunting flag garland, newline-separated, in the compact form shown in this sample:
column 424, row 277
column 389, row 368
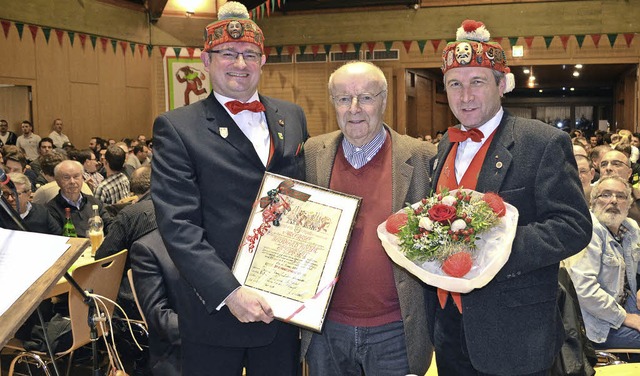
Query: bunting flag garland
column 83, row 39
column 141, row 48
column 34, row 31
column 357, row 47
column 513, row 41
column 565, row 40
column 302, row 49
column 612, row 39
column 72, row 37
column 580, row 39
column 123, row 47
column 528, row 41
column 6, row 25
column 435, row 43
column 20, row 28
column 548, row 40
column 60, row 35
column 103, row 42
column 133, row 49
column 291, row 50
column 114, row 45
column 596, row 39
column 190, row 52
column 163, row 51
column 387, row 45
column 47, row 33
column 314, row 49
column 150, row 50
column 267, row 51
column 628, row 38
column 371, row 46
column 327, row 48
column 94, row 40
column 421, row 44
column 279, row 50
column 343, row 48
column 407, row 45
column 177, row 50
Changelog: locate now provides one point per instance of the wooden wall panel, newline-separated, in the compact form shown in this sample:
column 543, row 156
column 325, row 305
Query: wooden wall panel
column 85, row 114
column 83, row 63
column 14, row 106
column 113, row 96
column 18, row 56
column 139, row 105
column 312, row 94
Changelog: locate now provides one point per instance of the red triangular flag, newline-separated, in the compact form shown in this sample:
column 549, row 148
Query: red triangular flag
column 267, row 51
column 627, row 37
column 59, row 34
column 291, row 50
column 565, row 41
column 435, row 43
column 498, row 40
column 6, row 25
column 140, row 48
column 191, row 51
column 371, row 46
column 528, row 41
column 83, row 39
column 407, row 45
column 314, row 47
column 163, row 50
column 34, row 31
column 123, row 45
column 596, row 39
column 104, row 42
column 343, row 48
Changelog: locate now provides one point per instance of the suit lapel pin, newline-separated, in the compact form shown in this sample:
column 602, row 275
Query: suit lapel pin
column 281, row 123
column 499, row 165
column 280, row 136
column 224, row 132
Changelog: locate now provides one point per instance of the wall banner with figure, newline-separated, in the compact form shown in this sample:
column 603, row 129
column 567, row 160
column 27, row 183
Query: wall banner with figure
column 187, row 81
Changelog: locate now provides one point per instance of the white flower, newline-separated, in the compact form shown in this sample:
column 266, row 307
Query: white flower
column 426, row 224
column 458, row 224
column 449, row 200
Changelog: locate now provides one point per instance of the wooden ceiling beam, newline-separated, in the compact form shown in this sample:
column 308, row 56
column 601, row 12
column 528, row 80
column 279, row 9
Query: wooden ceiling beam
column 155, row 9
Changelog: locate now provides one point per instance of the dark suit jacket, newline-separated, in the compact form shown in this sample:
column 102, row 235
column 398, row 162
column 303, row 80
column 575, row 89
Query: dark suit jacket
column 11, row 139
column 206, row 175
column 156, row 280
column 410, row 184
column 40, row 220
column 512, row 325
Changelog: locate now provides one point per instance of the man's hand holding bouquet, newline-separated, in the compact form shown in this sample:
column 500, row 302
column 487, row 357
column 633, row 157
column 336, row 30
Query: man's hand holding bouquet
column 454, row 240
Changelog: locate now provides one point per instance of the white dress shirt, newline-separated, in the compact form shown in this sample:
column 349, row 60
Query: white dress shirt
column 468, row 149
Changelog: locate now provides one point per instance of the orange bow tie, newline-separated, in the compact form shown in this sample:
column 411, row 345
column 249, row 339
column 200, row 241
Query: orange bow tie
column 237, row 106
column 457, row 135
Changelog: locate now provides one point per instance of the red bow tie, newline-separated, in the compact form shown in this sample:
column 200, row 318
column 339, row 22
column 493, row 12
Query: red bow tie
column 237, row 106
column 457, row 135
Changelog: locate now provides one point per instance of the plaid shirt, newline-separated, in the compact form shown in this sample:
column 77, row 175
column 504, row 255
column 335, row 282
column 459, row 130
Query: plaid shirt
column 113, row 189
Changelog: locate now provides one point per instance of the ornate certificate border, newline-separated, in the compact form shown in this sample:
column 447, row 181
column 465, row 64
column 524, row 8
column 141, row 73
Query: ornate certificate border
column 293, row 247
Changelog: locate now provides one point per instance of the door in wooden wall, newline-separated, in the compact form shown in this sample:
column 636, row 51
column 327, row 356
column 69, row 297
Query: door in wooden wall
column 15, row 106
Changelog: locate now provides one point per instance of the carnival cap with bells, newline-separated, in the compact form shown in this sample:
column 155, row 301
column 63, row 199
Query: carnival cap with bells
column 472, row 48
column 233, row 25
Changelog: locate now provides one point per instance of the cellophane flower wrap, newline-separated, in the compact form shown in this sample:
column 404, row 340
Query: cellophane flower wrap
column 455, row 240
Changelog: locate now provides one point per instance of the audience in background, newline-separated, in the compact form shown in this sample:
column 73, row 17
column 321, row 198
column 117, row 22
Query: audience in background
column 56, row 134
column 36, row 217
column 116, row 186
column 28, row 141
column 6, row 136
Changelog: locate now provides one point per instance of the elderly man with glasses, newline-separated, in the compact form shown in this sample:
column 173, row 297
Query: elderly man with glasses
column 605, row 274
column 36, row 217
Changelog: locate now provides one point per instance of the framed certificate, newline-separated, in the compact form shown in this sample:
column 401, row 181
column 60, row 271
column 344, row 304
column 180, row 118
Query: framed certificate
column 293, row 247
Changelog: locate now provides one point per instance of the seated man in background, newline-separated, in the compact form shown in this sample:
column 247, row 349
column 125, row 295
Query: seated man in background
column 585, row 173
column 36, row 217
column 88, row 160
column 48, row 191
column 116, row 186
column 156, row 280
column 17, row 162
column 45, row 146
column 68, row 175
column 605, row 274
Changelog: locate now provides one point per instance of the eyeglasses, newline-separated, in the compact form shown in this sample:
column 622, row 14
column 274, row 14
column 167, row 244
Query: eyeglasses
column 609, row 195
column 363, row 99
column 8, row 194
column 614, row 163
column 230, row 55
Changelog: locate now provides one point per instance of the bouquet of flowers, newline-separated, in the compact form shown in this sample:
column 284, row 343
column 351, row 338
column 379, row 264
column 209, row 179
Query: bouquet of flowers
column 455, row 240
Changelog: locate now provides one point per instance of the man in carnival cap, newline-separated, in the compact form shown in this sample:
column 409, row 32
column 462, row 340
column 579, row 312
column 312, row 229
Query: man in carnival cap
column 209, row 160
column 512, row 325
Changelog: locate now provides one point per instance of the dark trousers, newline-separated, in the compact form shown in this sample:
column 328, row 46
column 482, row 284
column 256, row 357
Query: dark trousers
column 452, row 357
column 280, row 358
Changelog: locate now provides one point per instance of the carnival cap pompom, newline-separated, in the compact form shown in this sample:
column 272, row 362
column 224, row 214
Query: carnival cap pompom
column 473, row 30
column 232, row 9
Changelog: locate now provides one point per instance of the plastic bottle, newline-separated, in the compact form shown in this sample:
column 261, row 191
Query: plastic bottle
column 69, row 229
column 96, row 233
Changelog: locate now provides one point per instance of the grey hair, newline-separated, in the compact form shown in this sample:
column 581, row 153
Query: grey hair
column 596, row 191
column 77, row 164
column 377, row 71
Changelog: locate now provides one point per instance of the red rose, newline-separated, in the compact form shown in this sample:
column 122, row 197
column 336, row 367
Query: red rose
column 442, row 213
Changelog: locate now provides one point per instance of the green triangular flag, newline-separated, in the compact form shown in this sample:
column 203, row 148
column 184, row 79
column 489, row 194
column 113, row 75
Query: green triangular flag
column 149, row 49
column 279, row 50
column 133, row 48
column 357, row 47
column 47, row 33
column 20, row 27
column 177, row 50
column 513, row 41
column 421, row 44
column 612, row 39
column 72, row 37
column 327, row 48
column 262, row 10
column 388, row 44
column 302, row 48
column 94, row 40
column 580, row 39
column 114, row 44
column 547, row 41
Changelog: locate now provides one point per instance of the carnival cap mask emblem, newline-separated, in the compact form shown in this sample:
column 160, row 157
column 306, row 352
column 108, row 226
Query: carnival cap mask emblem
column 233, row 25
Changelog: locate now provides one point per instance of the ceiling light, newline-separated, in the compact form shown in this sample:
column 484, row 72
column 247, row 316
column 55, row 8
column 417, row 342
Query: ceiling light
column 526, row 71
column 532, row 78
column 540, row 91
column 564, row 88
column 576, row 74
column 578, row 66
column 573, row 89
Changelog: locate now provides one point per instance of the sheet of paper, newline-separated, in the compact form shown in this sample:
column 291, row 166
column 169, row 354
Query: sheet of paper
column 24, row 257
